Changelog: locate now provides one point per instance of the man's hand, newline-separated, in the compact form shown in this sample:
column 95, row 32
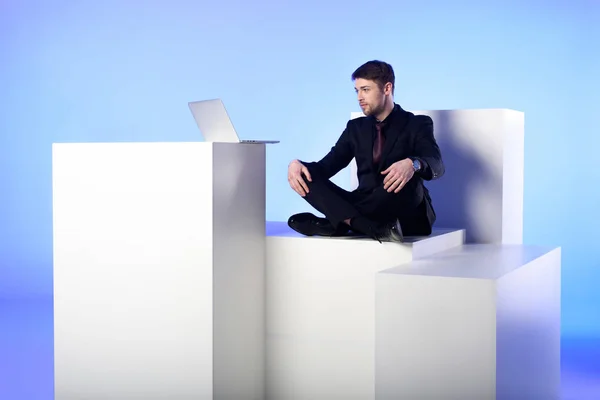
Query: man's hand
column 398, row 175
column 295, row 178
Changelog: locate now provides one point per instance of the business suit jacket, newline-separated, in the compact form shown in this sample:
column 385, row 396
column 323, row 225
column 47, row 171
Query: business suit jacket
column 407, row 136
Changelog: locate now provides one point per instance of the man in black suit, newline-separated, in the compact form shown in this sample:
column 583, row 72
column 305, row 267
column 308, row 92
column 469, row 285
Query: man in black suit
column 395, row 152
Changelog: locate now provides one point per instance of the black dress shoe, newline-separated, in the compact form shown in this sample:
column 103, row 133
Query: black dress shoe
column 311, row 225
column 390, row 232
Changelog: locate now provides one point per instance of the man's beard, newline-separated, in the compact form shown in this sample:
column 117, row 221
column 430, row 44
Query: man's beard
column 375, row 111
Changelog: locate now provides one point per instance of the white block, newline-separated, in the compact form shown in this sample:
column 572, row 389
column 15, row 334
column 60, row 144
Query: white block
column 477, row 322
column 321, row 310
column 482, row 189
column 159, row 252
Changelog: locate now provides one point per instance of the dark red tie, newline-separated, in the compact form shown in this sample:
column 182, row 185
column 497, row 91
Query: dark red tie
column 379, row 142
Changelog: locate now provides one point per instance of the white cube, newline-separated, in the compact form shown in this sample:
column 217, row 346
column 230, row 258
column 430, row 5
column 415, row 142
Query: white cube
column 477, row 322
column 321, row 310
column 159, row 252
column 482, row 190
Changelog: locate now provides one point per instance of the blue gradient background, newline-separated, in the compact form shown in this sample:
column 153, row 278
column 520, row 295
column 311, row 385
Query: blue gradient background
column 81, row 71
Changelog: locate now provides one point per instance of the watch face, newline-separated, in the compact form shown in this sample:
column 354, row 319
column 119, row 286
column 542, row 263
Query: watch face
column 416, row 165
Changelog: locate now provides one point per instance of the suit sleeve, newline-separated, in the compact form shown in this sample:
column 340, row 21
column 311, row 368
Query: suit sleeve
column 338, row 157
column 428, row 152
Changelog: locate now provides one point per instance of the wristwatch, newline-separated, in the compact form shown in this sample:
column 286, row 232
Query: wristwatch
column 416, row 164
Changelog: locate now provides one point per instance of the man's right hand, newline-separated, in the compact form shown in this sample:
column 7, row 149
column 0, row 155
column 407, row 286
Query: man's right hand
column 295, row 171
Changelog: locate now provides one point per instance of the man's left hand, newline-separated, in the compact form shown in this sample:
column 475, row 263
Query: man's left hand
column 398, row 175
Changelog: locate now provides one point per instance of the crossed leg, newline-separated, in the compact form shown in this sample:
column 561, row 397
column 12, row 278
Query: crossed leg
column 364, row 212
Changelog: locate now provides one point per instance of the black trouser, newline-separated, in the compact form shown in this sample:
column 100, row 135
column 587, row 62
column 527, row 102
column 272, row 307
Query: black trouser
column 339, row 205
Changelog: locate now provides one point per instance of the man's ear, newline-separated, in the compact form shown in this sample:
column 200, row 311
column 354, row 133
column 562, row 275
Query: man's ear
column 388, row 88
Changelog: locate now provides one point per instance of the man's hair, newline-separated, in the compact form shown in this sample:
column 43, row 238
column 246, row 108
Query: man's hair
column 377, row 71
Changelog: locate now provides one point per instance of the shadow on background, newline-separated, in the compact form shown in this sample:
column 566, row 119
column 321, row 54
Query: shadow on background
column 466, row 173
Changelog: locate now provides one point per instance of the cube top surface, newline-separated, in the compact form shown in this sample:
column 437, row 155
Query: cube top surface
column 477, row 261
column 281, row 229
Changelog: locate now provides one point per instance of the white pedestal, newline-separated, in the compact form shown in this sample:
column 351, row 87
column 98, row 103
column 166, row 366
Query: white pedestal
column 159, row 252
column 482, row 189
column 321, row 310
column 477, row 322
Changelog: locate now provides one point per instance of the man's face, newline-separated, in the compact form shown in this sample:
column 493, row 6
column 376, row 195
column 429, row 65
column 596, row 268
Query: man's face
column 371, row 97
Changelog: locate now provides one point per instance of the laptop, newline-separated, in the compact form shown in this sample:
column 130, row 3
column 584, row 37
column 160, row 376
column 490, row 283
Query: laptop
column 214, row 123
